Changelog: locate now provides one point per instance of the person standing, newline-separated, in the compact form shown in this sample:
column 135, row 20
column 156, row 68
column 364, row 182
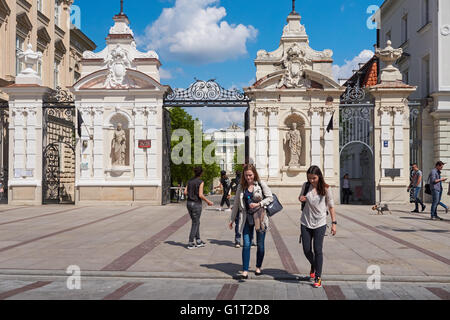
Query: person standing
column 194, row 195
column 251, row 188
column 226, row 187
column 435, row 181
column 318, row 199
column 416, row 186
column 346, row 189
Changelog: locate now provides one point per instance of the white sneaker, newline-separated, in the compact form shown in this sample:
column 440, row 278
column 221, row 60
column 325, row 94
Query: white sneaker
column 228, row 210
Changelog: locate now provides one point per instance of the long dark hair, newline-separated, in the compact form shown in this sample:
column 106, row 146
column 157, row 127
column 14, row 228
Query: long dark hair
column 198, row 171
column 248, row 167
column 321, row 186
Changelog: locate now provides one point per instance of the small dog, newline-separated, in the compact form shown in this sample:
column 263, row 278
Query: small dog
column 381, row 209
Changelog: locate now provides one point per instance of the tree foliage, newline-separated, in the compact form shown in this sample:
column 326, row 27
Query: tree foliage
column 183, row 172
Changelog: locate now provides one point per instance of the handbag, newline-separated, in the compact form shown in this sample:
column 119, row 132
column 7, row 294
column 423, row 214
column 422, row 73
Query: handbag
column 273, row 208
column 428, row 189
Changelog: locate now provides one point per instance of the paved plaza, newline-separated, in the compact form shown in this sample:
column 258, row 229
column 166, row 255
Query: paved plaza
column 140, row 253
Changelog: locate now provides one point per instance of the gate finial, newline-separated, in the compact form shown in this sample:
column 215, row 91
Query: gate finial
column 293, row 6
column 121, row 6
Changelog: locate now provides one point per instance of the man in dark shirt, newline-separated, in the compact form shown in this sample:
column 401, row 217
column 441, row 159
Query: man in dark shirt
column 226, row 186
column 435, row 181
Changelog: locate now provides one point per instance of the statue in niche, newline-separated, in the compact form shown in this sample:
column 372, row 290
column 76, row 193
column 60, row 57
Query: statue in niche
column 119, row 146
column 294, row 142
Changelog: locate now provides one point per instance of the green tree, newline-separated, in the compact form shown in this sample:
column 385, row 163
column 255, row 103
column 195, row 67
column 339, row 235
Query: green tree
column 183, row 172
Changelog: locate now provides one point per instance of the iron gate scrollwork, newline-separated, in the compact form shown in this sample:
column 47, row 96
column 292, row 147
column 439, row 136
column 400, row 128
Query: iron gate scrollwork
column 4, row 150
column 59, row 140
column 356, row 142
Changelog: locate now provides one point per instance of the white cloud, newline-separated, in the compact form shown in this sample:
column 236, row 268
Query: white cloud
column 218, row 117
column 193, row 31
column 346, row 70
column 165, row 74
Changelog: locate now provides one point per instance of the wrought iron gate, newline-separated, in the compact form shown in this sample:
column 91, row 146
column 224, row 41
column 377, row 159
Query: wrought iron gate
column 356, row 143
column 59, row 140
column 199, row 94
column 4, row 151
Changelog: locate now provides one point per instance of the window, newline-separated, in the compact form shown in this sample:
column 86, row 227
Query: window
column 19, row 48
column 406, row 76
column 426, row 12
column 388, row 36
column 405, row 28
column 56, row 74
column 40, row 5
column 426, row 76
column 57, row 12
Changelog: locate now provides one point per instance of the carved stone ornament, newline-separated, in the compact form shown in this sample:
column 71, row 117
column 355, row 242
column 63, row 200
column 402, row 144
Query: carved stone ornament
column 294, row 63
column 118, row 62
column 389, row 56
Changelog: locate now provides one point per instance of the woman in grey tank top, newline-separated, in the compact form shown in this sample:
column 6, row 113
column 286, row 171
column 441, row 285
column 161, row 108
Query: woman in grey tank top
column 194, row 195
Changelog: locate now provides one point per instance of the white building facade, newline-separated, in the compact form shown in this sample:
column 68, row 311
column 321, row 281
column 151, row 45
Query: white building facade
column 422, row 29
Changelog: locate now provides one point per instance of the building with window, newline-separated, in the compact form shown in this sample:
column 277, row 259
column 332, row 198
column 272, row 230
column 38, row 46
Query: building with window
column 228, row 143
column 46, row 24
column 422, row 29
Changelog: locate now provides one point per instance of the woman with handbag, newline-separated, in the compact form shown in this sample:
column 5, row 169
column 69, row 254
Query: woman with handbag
column 252, row 197
column 317, row 199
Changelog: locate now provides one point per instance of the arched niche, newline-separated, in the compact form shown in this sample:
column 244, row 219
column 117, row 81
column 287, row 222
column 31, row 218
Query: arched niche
column 113, row 123
column 286, row 128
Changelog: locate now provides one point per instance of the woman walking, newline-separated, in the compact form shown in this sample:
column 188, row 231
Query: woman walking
column 252, row 197
column 194, row 194
column 317, row 199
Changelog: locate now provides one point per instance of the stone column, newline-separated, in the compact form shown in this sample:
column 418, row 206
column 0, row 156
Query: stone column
column 261, row 142
column 315, row 136
column 399, row 142
column 152, row 155
column 86, row 167
column 328, row 150
column 99, row 170
column 274, row 143
column 139, row 134
column 25, row 143
column 385, row 142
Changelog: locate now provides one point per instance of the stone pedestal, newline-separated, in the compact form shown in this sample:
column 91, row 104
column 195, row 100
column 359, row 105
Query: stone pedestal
column 25, row 144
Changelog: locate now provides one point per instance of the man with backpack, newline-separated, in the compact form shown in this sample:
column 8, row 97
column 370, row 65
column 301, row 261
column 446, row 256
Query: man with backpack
column 435, row 181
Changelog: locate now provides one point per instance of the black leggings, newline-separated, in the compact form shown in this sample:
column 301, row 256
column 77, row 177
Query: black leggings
column 316, row 258
column 225, row 200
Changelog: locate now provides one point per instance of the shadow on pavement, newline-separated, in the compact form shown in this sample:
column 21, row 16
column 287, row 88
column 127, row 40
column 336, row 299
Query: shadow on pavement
column 233, row 270
column 177, row 244
column 225, row 243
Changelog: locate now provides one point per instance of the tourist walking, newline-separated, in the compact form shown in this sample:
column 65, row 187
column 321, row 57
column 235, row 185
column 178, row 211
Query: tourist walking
column 435, row 180
column 252, row 198
column 194, row 195
column 316, row 198
column 416, row 186
column 226, row 187
column 346, row 189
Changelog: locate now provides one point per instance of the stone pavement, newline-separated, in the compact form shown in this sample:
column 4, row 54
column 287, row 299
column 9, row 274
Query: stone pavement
column 140, row 252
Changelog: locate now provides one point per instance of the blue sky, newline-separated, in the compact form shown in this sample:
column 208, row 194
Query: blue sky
column 220, row 38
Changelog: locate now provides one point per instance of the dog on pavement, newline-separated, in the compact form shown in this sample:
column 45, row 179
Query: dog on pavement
column 381, row 209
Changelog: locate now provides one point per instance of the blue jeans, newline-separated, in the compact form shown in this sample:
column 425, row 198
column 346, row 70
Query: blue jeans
column 416, row 197
column 435, row 194
column 248, row 237
column 440, row 202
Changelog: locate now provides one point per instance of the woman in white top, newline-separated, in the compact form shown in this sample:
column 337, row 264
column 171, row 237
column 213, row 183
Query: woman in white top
column 318, row 199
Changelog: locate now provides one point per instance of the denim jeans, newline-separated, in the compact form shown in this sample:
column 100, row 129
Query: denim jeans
column 435, row 194
column 195, row 211
column 440, row 198
column 248, row 237
column 417, row 199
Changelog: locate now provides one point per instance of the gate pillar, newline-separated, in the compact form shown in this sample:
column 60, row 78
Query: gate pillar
column 392, row 158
